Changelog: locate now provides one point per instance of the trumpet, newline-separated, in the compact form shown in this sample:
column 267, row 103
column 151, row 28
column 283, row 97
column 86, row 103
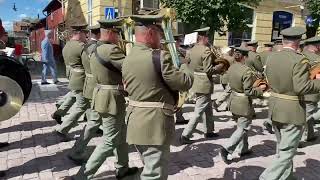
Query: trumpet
column 314, row 71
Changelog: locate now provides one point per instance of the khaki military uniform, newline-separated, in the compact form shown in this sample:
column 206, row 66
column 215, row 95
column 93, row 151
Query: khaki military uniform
column 264, row 57
column 254, row 62
column 150, row 119
column 241, row 81
column 109, row 107
column 287, row 74
column 311, row 100
column 224, row 78
column 92, row 126
column 202, row 64
column 72, row 54
column 179, row 114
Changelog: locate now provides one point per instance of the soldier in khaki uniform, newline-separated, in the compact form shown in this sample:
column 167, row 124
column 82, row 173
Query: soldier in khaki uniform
column 152, row 83
column 78, row 151
column 182, row 55
column 264, row 56
column 108, row 104
column 241, row 80
column 311, row 51
column 72, row 56
column 287, row 73
column 254, row 59
column 203, row 65
column 224, row 82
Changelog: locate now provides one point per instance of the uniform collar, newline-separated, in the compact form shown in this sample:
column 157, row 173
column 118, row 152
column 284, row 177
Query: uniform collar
column 290, row 48
column 141, row 45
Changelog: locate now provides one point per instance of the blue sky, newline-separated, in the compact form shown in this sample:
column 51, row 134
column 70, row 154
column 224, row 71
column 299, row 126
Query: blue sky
column 26, row 8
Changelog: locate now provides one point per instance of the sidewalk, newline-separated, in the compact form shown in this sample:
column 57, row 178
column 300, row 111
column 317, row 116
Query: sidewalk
column 35, row 153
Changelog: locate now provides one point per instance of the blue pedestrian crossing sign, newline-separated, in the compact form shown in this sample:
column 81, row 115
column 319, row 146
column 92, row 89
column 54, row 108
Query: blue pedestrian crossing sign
column 110, row 12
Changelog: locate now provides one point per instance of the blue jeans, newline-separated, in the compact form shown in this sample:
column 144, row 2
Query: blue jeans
column 53, row 70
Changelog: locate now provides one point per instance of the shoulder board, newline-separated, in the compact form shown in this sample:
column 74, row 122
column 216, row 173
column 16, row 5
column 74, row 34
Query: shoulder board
column 304, row 61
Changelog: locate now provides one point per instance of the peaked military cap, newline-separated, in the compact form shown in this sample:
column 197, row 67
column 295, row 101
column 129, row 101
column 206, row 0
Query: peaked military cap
column 79, row 27
column 203, row 31
column 110, row 24
column 241, row 49
column 269, row 44
column 313, row 40
column 293, row 32
column 145, row 20
column 95, row 27
column 252, row 43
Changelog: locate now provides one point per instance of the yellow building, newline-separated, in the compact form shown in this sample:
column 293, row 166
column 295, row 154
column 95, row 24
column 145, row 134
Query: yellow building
column 268, row 19
column 90, row 11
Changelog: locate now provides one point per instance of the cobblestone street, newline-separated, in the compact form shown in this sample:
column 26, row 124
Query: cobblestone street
column 35, row 153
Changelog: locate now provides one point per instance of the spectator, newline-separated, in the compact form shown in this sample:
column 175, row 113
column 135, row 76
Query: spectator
column 47, row 58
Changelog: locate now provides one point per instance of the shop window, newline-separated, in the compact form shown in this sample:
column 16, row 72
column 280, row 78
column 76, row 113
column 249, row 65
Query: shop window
column 281, row 20
column 236, row 37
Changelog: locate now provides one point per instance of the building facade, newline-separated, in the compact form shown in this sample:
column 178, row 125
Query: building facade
column 268, row 19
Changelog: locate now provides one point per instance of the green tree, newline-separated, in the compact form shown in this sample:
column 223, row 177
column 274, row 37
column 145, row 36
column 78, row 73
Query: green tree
column 314, row 8
column 213, row 13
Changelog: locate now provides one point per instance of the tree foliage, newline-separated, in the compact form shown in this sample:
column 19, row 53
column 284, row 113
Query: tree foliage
column 314, row 8
column 214, row 13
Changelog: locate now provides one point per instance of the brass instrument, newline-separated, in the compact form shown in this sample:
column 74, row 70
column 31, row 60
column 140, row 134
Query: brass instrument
column 220, row 59
column 128, row 25
column 169, row 16
column 314, row 71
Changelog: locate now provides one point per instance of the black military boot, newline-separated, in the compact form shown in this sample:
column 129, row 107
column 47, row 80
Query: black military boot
column 268, row 127
column 185, row 140
column 224, row 155
column 130, row 172
column 57, row 118
column 211, row 135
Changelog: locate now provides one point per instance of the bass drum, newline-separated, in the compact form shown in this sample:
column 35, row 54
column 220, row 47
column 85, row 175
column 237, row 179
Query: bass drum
column 14, row 70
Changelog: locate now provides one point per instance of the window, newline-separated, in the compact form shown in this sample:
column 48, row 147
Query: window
column 236, row 37
column 90, row 12
column 281, row 20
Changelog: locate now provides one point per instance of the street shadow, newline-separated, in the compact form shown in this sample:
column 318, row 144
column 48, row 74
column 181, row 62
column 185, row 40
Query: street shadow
column 227, row 132
column 241, row 173
column 43, row 140
column 28, row 126
column 48, row 93
column 195, row 155
column 310, row 171
column 55, row 163
column 110, row 175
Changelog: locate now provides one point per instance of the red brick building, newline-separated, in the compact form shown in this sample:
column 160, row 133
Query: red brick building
column 37, row 35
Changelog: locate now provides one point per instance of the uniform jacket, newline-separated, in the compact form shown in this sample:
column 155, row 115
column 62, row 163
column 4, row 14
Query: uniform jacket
column 89, row 83
column 264, row 56
column 151, row 126
column 254, row 62
column 241, row 79
column 107, row 101
column 224, row 78
column 313, row 60
column 72, row 57
column 202, row 61
column 287, row 73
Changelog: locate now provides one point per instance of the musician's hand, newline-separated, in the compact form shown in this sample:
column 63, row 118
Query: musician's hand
column 219, row 67
column 263, row 87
